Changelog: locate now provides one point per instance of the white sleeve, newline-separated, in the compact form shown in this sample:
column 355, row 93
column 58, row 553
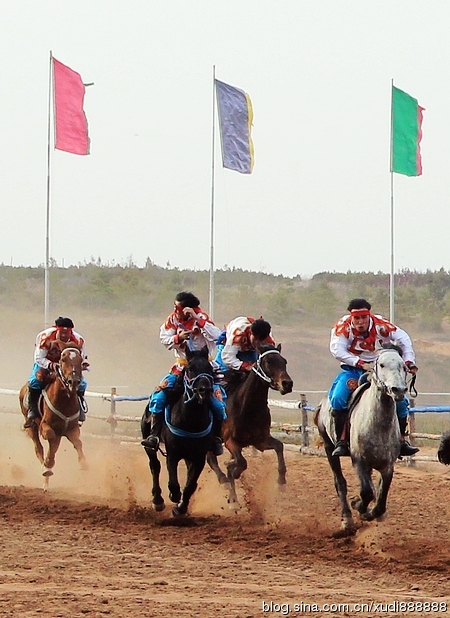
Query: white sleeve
column 402, row 338
column 229, row 356
column 40, row 354
column 339, row 349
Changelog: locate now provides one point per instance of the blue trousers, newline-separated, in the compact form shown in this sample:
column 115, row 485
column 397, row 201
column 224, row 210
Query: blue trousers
column 158, row 399
column 343, row 386
column 37, row 384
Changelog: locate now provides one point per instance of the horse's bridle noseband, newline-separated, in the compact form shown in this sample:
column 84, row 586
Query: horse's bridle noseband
column 189, row 385
column 260, row 371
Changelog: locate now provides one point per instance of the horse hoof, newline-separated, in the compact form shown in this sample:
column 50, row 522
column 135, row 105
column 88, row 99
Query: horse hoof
column 84, row 467
column 178, row 511
column 159, row 507
column 47, row 472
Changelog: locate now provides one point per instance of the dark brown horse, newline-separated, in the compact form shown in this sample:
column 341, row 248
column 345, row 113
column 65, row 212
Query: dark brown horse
column 249, row 419
column 59, row 408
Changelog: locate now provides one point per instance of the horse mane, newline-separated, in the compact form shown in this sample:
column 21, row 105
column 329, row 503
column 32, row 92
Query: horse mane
column 390, row 346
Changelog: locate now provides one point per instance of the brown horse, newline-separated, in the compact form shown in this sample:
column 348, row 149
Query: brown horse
column 249, row 419
column 59, row 408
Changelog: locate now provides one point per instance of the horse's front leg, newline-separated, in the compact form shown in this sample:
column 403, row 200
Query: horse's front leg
column 278, row 447
column 384, row 484
column 194, row 469
column 340, row 484
column 33, row 432
column 53, row 445
column 213, row 463
column 364, row 472
column 235, row 468
column 173, row 485
column 155, row 470
column 74, row 438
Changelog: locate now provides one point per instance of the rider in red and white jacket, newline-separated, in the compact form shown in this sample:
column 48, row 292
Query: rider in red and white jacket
column 239, row 351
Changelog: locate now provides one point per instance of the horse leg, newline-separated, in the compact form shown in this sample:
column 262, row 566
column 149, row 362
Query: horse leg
column 33, row 432
column 155, row 469
column 74, row 438
column 214, row 465
column 194, row 469
column 53, row 446
column 235, row 468
column 173, row 485
column 384, row 484
column 340, row 484
column 366, row 493
column 278, row 447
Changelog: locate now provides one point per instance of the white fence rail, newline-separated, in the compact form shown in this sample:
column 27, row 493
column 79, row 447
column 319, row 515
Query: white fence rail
column 303, row 429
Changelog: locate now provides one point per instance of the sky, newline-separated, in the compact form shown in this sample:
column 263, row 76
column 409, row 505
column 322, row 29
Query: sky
column 319, row 77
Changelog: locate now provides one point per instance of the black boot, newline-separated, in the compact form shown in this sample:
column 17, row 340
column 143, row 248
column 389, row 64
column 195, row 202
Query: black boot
column 156, row 425
column 217, row 445
column 83, row 406
column 33, row 406
column 406, row 450
column 342, row 446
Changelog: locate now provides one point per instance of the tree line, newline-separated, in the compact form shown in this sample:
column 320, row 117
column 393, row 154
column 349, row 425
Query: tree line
column 422, row 299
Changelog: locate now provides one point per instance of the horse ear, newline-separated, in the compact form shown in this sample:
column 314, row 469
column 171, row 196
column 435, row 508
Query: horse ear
column 279, row 347
column 189, row 354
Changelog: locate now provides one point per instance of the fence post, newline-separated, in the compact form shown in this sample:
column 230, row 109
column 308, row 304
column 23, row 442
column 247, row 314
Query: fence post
column 112, row 418
column 305, row 433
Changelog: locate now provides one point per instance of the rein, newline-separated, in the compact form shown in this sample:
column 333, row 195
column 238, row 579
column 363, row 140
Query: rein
column 260, row 371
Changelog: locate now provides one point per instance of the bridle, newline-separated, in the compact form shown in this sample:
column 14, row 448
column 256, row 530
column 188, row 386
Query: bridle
column 257, row 368
column 65, row 381
column 382, row 386
column 190, row 392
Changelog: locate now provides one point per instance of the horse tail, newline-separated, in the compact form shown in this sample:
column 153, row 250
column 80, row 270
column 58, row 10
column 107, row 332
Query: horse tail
column 444, row 449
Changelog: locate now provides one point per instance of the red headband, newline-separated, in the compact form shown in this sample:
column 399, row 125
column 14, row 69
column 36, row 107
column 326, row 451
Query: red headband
column 360, row 312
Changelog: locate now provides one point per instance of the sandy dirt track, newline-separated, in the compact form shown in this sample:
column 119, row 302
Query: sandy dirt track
column 92, row 546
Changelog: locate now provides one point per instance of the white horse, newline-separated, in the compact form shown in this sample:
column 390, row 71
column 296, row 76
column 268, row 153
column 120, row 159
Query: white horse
column 374, row 436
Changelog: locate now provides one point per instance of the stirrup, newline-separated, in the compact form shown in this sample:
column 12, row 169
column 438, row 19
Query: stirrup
column 217, row 447
column 152, row 442
column 342, row 449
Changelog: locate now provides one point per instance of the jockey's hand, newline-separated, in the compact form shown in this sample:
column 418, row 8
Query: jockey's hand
column 188, row 312
column 365, row 366
column 184, row 335
column 52, row 367
column 246, row 366
column 412, row 367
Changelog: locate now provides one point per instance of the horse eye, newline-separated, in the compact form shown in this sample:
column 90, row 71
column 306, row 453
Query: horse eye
column 382, row 365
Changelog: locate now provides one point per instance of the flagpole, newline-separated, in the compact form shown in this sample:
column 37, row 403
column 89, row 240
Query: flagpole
column 47, row 223
column 211, row 257
column 391, row 277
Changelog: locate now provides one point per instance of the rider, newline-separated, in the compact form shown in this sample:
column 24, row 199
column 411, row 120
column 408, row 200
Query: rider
column 46, row 357
column 353, row 341
column 187, row 326
column 238, row 350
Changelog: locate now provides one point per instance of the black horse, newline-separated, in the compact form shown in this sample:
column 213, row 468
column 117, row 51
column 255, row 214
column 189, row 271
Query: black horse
column 186, row 432
column 249, row 419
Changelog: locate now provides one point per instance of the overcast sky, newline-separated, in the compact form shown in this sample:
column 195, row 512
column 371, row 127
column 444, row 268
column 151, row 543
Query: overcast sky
column 319, row 76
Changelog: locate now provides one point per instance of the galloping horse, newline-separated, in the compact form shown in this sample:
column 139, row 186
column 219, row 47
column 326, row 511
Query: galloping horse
column 374, row 436
column 249, row 420
column 186, row 433
column 59, row 407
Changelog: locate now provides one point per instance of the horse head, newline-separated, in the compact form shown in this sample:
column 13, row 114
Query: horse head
column 271, row 367
column 390, row 371
column 198, row 375
column 70, row 368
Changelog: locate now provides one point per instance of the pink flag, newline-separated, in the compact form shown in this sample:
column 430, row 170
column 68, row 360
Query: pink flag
column 71, row 132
